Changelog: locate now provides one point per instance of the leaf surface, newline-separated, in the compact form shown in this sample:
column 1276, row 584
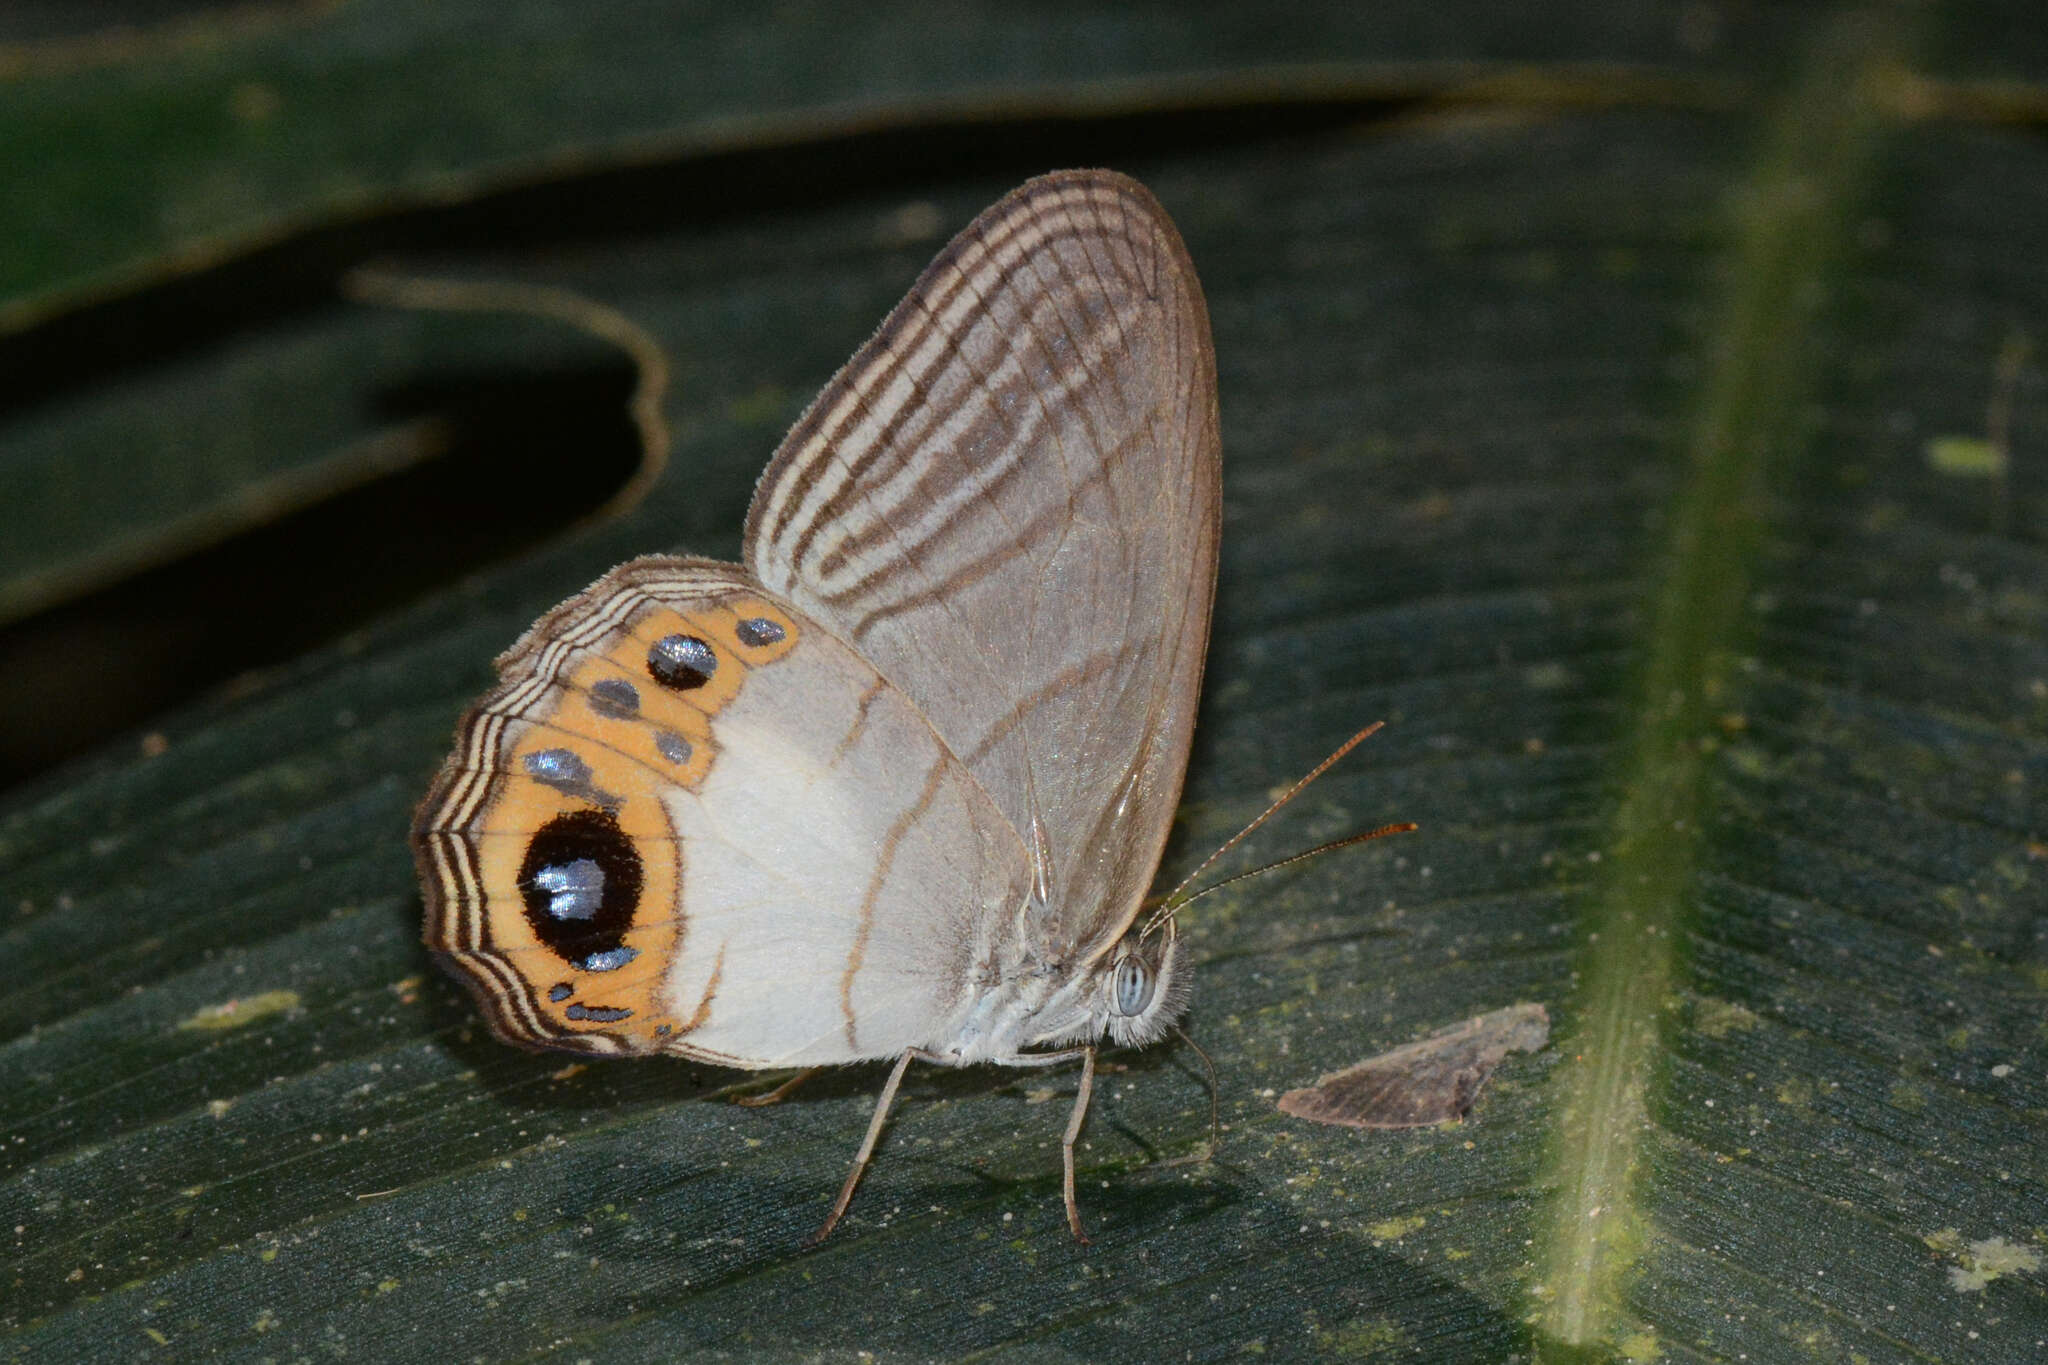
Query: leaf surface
column 1604, row 445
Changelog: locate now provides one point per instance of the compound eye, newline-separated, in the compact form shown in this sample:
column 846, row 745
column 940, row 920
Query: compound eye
column 1130, row 990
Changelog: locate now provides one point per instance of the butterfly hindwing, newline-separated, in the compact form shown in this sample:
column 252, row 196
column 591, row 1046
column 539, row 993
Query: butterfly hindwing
column 691, row 820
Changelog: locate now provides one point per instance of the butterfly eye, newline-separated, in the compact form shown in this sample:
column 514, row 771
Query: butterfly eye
column 1131, row 990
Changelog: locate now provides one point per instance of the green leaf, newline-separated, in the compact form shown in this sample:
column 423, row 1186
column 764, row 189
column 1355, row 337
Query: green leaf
column 1601, row 436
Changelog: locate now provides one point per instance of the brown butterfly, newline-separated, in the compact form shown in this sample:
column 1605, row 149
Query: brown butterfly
column 895, row 786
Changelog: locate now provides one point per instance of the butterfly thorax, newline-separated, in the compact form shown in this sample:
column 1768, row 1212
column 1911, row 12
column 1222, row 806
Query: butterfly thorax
column 1133, row 994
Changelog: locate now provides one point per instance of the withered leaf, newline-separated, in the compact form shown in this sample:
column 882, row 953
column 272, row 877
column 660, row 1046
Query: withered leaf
column 1430, row 1081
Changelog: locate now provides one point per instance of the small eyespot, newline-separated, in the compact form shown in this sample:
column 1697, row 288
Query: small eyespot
column 681, row 662
column 1130, row 990
column 560, row 769
column 616, row 698
column 569, row 775
column 757, row 631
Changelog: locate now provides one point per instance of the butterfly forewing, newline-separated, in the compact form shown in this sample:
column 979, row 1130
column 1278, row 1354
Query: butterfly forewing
column 1007, row 502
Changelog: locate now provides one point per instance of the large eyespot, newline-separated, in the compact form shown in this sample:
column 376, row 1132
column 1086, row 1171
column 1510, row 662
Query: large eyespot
column 1130, row 990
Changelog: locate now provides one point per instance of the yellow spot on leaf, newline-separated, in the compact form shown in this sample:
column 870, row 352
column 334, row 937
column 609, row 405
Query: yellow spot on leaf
column 1719, row 1018
column 1360, row 1338
column 1640, row 1348
column 1394, row 1229
column 243, row 1011
column 1749, row 760
column 1981, row 1262
column 1965, row 457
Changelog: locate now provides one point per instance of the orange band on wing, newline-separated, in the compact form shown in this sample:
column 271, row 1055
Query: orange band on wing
column 554, row 873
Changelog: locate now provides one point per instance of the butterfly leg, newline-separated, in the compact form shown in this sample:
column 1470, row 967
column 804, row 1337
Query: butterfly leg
column 1073, row 1135
column 779, row 1093
column 867, row 1146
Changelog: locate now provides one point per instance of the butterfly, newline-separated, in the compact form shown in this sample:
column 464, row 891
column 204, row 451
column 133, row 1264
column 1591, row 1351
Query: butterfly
column 895, row 786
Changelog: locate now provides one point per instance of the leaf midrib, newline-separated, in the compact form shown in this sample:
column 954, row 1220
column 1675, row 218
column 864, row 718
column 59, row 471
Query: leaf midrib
column 1788, row 216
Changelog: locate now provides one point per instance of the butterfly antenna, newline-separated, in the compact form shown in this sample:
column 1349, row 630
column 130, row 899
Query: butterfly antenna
column 1402, row 827
column 1170, row 905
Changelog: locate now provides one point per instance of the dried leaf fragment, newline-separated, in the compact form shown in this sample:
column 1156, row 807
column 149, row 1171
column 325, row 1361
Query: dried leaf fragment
column 1421, row 1083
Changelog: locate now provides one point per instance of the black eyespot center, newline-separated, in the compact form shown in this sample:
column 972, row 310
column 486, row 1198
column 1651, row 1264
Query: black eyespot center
column 580, row 883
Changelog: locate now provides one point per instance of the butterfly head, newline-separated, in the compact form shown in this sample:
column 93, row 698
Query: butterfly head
column 1143, row 987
